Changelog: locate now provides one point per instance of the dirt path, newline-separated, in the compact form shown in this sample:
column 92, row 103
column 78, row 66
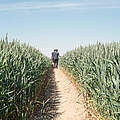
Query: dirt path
column 68, row 108
column 62, row 97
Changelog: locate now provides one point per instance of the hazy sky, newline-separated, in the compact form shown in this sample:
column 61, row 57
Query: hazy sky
column 63, row 24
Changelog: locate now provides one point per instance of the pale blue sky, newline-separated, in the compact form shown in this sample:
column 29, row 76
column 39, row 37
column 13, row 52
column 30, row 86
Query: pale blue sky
column 63, row 24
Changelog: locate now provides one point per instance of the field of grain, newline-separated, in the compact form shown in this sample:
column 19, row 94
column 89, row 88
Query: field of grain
column 22, row 74
column 23, row 71
column 97, row 69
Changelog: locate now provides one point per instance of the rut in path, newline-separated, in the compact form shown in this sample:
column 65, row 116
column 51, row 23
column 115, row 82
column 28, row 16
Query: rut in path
column 67, row 97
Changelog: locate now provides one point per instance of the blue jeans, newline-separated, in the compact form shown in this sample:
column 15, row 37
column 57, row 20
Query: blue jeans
column 56, row 63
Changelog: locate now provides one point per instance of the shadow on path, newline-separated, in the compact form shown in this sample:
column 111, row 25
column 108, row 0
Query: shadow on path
column 51, row 97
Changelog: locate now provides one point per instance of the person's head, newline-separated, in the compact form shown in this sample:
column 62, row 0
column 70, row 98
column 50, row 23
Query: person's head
column 56, row 50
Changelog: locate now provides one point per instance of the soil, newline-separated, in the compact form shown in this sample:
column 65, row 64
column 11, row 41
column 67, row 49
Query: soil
column 71, row 105
column 63, row 100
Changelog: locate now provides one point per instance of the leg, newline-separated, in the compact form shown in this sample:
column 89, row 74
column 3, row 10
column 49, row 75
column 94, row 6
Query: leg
column 57, row 63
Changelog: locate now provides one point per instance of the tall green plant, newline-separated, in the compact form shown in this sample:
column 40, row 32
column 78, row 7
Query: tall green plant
column 97, row 69
column 22, row 71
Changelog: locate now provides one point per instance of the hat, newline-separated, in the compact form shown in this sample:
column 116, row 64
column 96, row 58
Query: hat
column 55, row 49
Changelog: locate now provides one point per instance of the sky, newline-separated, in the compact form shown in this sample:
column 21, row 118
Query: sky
column 62, row 24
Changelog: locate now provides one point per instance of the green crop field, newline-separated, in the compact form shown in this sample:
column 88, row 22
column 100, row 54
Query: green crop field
column 97, row 70
column 22, row 73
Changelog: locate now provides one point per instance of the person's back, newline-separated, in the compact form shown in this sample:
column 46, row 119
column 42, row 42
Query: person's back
column 56, row 55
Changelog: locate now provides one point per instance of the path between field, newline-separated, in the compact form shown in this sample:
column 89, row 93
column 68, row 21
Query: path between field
column 68, row 107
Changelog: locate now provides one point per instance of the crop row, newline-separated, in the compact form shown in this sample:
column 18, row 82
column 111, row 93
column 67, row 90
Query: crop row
column 22, row 73
column 97, row 70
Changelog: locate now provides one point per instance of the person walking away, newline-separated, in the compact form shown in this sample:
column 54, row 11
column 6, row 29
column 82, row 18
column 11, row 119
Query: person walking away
column 56, row 58
column 53, row 56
